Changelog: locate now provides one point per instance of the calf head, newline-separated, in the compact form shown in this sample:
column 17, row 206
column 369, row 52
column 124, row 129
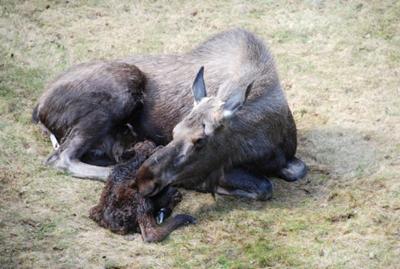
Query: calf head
column 199, row 140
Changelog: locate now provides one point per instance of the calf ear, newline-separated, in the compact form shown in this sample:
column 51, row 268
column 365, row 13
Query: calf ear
column 199, row 88
column 236, row 101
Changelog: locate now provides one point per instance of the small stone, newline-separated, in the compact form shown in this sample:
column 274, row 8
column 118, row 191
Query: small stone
column 367, row 137
column 372, row 255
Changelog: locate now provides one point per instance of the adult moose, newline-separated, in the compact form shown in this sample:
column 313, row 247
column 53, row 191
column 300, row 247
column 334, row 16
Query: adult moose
column 237, row 129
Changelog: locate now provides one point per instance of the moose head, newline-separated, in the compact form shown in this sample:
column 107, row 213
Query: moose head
column 199, row 145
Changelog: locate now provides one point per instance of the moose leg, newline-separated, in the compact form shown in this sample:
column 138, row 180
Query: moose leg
column 294, row 169
column 79, row 141
column 276, row 164
column 65, row 158
column 239, row 182
column 150, row 231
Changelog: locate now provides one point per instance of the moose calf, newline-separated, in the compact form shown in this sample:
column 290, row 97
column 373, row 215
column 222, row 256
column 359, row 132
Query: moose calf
column 122, row 209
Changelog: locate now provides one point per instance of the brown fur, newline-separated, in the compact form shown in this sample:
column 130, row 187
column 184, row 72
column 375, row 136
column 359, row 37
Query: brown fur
column 122, row 209
column 242, row 121
column 240, row 118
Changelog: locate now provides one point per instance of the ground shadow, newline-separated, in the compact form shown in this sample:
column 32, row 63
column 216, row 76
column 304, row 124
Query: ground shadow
column 332, row 154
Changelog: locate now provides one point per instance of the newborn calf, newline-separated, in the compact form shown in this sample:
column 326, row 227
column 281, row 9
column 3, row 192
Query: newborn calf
column 122, row 209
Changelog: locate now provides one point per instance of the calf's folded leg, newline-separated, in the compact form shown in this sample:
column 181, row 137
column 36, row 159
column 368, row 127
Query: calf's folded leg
column 150, row 231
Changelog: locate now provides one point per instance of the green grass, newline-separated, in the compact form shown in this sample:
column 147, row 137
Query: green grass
column 339, row 63
column 264, row 253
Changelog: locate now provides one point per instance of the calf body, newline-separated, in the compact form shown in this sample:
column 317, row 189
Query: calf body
column 122, row 209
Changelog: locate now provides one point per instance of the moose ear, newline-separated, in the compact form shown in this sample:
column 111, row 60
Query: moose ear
column 236, row 101
column 199, row 88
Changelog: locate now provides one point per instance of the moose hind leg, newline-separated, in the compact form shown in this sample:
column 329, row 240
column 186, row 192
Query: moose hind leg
column 82, row 170
column 67, row 158
column 239, row 182
column 277, row 164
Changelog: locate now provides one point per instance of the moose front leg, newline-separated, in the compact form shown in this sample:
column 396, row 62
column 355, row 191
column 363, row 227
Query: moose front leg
column 150, row 231
column 239, row 182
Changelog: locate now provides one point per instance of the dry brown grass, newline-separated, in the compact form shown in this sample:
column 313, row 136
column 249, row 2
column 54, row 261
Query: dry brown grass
column 340, row 64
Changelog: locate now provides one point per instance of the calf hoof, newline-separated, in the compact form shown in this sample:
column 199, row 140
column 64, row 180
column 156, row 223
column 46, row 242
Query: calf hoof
column 162, row 215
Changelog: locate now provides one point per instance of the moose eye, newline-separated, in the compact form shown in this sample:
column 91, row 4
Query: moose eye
column 199, row 143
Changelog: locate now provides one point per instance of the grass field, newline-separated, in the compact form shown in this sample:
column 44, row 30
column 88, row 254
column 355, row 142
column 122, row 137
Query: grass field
column 339, row 62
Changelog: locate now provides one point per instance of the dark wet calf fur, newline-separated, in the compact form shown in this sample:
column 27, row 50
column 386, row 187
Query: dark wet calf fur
column 123, row 210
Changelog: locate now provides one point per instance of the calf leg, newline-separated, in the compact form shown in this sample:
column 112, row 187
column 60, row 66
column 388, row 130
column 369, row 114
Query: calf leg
column 165, row 202
column 151, row 232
